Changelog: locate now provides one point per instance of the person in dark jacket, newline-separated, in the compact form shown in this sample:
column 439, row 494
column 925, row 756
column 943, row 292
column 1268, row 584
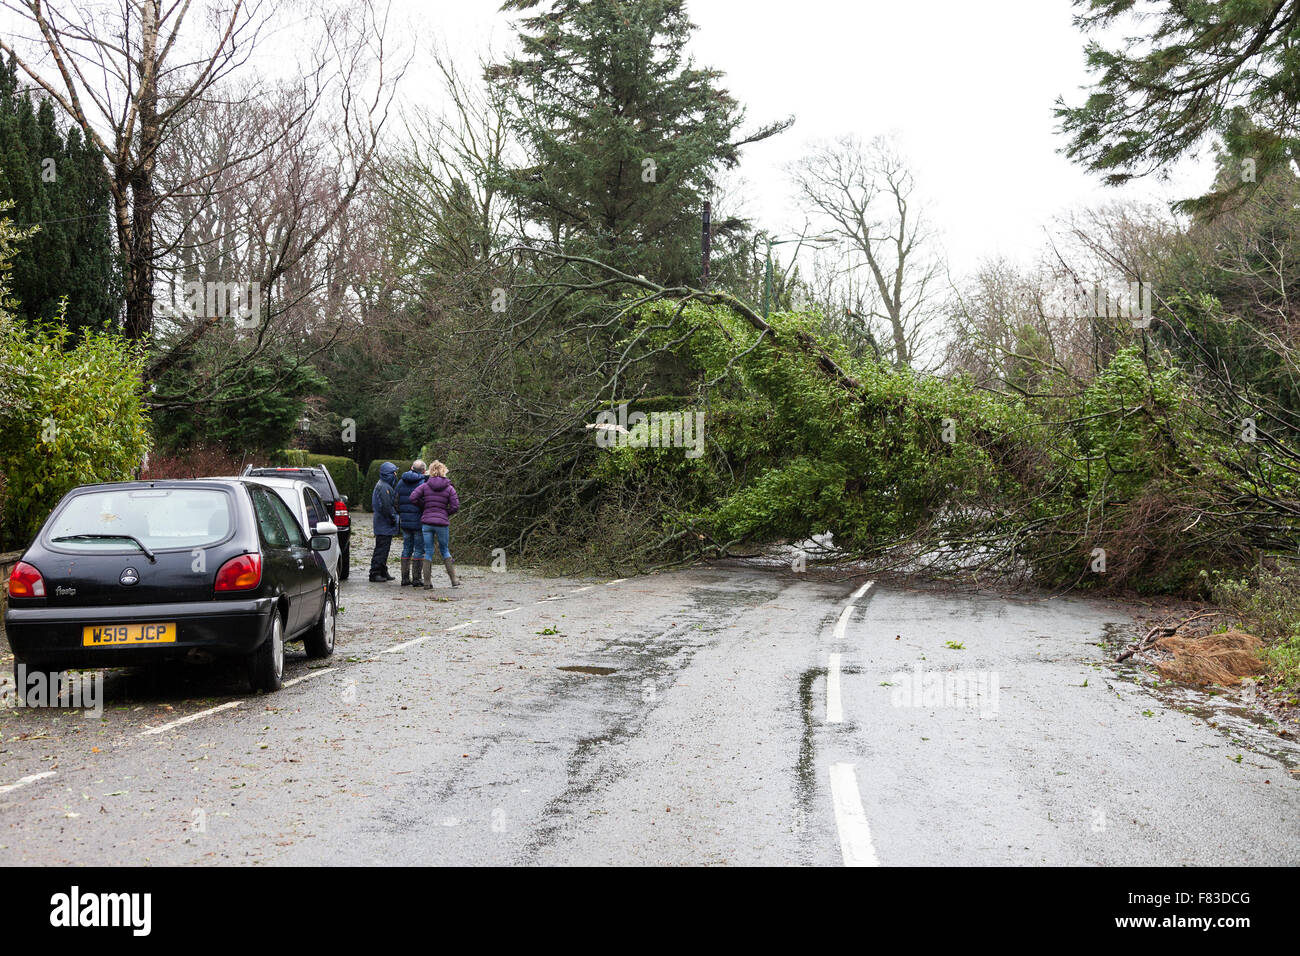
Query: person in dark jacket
column 437, row 501
column 408, row 519
column 383, row 502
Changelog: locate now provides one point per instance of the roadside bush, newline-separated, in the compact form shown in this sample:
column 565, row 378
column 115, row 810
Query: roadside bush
column 1146, row 472
column 71, row 414
column 1268, row 605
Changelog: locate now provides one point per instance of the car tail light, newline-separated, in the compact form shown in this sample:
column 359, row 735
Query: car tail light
column 240, row 574
column 25, row 581
column 341, row 519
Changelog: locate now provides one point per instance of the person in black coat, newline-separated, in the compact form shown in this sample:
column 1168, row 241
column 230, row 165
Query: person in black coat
column 383, row 502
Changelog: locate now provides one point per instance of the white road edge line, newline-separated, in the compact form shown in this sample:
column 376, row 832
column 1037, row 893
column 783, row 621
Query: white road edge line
column 316, row 673
column 24, row 781
column 617, row 581
column 861, row 591
column 834, row 707
column 405, row 644
column 580, row 590
column 850, row 818
column 511, row 611
column 843, row 621
column 459, row 626
column 185, row 720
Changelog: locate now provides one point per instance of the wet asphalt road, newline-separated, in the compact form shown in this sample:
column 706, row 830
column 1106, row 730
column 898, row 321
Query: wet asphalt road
column 720, row 715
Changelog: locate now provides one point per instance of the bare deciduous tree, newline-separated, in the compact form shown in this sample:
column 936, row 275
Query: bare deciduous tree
column 863, row 196
column 139, row 76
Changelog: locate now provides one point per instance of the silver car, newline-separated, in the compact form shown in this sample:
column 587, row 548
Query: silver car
column 312, row 514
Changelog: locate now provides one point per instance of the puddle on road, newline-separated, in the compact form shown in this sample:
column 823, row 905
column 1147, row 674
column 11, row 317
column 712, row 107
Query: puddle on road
column 1247, row 727
column 588, row 669
column 1227, row 709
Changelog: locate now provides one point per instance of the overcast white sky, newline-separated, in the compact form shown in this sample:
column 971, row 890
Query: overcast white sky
column 967, row 86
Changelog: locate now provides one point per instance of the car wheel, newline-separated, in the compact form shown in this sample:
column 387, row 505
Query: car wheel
column 266, row 664
column 343, row 564
column 319, row 641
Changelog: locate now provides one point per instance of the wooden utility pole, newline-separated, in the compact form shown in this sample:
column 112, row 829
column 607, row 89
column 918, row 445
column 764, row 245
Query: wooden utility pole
column 706, row 244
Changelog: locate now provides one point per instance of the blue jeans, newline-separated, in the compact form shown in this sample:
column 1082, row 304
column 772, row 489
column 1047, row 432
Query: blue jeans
column 412, row 544
column 440, row 532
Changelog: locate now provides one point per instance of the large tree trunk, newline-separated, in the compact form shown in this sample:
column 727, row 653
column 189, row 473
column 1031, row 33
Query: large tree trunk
column 140, row 252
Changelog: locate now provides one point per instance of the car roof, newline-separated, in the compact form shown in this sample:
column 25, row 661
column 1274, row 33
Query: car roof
column 319, row 475
column 162, row 483
column 270, row 482
column 264, row 470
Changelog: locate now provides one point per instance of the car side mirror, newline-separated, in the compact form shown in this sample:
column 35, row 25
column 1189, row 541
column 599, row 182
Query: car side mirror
column 326, row 527
column 320, row 542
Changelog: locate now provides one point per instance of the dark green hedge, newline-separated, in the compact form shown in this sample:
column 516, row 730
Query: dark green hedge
column 344, row 471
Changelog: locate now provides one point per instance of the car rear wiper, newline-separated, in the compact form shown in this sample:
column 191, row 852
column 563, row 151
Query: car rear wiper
column 110, row 537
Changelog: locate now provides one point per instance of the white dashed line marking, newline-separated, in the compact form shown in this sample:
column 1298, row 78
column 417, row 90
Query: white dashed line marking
column 617, row 581
column 861, row 591
column 24, row 781
column 850, row 818
column 834, row 708
column 192, row 717
column 844, row 621
column 847, row 613
column 405, row 644
column 459, row 626
column 511, row 611
column 580, row 590
column 298, row 680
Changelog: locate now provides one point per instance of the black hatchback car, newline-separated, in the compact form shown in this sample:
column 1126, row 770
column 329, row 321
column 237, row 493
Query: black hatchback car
column 137, row 572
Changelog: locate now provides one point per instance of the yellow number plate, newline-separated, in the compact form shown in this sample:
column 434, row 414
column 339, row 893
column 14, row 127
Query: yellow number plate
column 112, row 635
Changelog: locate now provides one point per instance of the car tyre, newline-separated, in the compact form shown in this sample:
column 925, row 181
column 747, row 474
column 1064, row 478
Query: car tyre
column 319, row 641
column 266, row 664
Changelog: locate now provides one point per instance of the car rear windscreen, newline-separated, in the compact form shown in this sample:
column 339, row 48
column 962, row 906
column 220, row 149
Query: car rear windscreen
column 159, row 518
column 314, row 478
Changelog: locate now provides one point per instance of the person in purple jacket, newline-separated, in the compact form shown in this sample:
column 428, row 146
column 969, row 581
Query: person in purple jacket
column 437, row 501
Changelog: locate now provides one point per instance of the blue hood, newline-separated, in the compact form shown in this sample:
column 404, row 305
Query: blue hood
column 388, row 473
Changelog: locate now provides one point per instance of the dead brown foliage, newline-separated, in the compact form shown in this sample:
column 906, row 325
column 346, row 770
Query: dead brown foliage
column 1223, row 658
column 203, row 462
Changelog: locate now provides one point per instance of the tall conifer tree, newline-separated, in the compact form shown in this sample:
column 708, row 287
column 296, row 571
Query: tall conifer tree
column 55, row 184
column 624, row 131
